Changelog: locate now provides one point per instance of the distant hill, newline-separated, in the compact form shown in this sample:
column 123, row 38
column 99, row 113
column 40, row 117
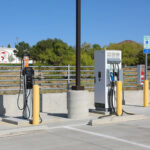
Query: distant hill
column 127, row 42
column 132, row 52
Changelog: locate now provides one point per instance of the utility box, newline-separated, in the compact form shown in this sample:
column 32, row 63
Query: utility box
column 108, row 68
column 141, row 74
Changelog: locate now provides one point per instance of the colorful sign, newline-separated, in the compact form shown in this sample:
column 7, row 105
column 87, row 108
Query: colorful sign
column 4, row 56
column 146, row 42
column 141, row 74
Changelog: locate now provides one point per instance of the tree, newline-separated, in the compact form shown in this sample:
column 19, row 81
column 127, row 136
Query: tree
column 131, row 52
column 86, row 47
column 96, row 47
column 86, row 59
column 9, row 46
column 11, row 58
column 21, row 49
column 53, row 52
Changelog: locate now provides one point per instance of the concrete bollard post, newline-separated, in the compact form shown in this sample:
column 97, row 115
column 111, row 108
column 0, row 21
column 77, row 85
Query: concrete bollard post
column 36, row 108
column 119, row 98
column 146, row 93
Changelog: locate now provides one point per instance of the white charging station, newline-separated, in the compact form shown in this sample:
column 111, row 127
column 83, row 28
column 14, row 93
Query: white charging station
column 108, row 70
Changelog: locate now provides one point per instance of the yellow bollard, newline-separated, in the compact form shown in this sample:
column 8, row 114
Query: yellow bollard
column 146, row 95
column 119, row 98
column 35, row 105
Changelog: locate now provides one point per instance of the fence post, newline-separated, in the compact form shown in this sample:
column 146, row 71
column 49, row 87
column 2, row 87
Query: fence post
column 68, row 77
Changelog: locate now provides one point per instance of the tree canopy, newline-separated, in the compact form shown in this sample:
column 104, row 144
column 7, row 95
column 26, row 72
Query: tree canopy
column 131, row 52
column 57, row 52
column 21, row 49
column 53, row 52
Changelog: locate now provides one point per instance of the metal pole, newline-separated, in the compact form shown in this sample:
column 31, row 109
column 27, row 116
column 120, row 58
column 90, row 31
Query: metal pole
column 78, row 41
column 68, row 79
column 146, row 66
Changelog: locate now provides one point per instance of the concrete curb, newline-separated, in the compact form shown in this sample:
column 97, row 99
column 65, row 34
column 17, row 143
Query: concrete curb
column 20, row 131
column 15, row 121
column 116, row 119
column 94, row 122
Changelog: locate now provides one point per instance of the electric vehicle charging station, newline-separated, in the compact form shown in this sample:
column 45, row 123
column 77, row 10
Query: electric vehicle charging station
column 31, row 105
column 108, row 70
column 28, row 74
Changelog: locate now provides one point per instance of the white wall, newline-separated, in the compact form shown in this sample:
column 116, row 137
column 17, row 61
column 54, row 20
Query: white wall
column 6, row 54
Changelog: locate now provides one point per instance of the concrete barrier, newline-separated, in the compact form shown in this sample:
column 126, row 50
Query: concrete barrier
column 134, row 97
column 54, row 103
column 49, row 103
column 57, row 102
column 8, row 105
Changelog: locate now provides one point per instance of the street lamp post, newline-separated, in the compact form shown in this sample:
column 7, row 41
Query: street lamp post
column 78, row 43
column 78, row 98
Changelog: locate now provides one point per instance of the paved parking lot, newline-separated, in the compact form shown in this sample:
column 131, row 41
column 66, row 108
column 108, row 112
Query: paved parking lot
column 132, row 135
column 73, row 135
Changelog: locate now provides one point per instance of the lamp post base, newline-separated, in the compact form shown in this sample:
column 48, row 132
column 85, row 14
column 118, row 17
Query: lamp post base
column 78, row 104
column 77, row 87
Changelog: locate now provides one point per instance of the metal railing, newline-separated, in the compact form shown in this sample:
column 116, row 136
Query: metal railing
column 56, row 78
column 50, row 78
column 130, row 77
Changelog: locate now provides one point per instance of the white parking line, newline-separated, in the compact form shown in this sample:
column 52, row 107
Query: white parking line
column 71, row 125
column 108, row 137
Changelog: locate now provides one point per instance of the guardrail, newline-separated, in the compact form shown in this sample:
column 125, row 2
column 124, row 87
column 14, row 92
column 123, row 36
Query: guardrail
column 56, row 78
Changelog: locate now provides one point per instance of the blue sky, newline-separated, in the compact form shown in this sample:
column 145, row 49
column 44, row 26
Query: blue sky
column 103, row 21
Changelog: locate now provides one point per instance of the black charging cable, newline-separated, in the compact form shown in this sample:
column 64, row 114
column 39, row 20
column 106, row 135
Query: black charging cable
column 20, row 88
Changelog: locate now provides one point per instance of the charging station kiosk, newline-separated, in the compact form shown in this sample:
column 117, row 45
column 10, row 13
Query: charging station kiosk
column 28, row 74
column 108, row 70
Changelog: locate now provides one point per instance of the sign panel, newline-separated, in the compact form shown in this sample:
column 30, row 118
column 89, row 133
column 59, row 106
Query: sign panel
column 146, row 51
column 147, row 42
column 4, row 56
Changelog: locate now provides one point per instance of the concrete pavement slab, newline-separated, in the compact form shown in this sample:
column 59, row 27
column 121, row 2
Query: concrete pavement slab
column 20, row 131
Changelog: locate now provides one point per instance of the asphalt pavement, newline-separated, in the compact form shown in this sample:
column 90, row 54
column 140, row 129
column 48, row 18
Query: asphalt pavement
column 78, row 134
